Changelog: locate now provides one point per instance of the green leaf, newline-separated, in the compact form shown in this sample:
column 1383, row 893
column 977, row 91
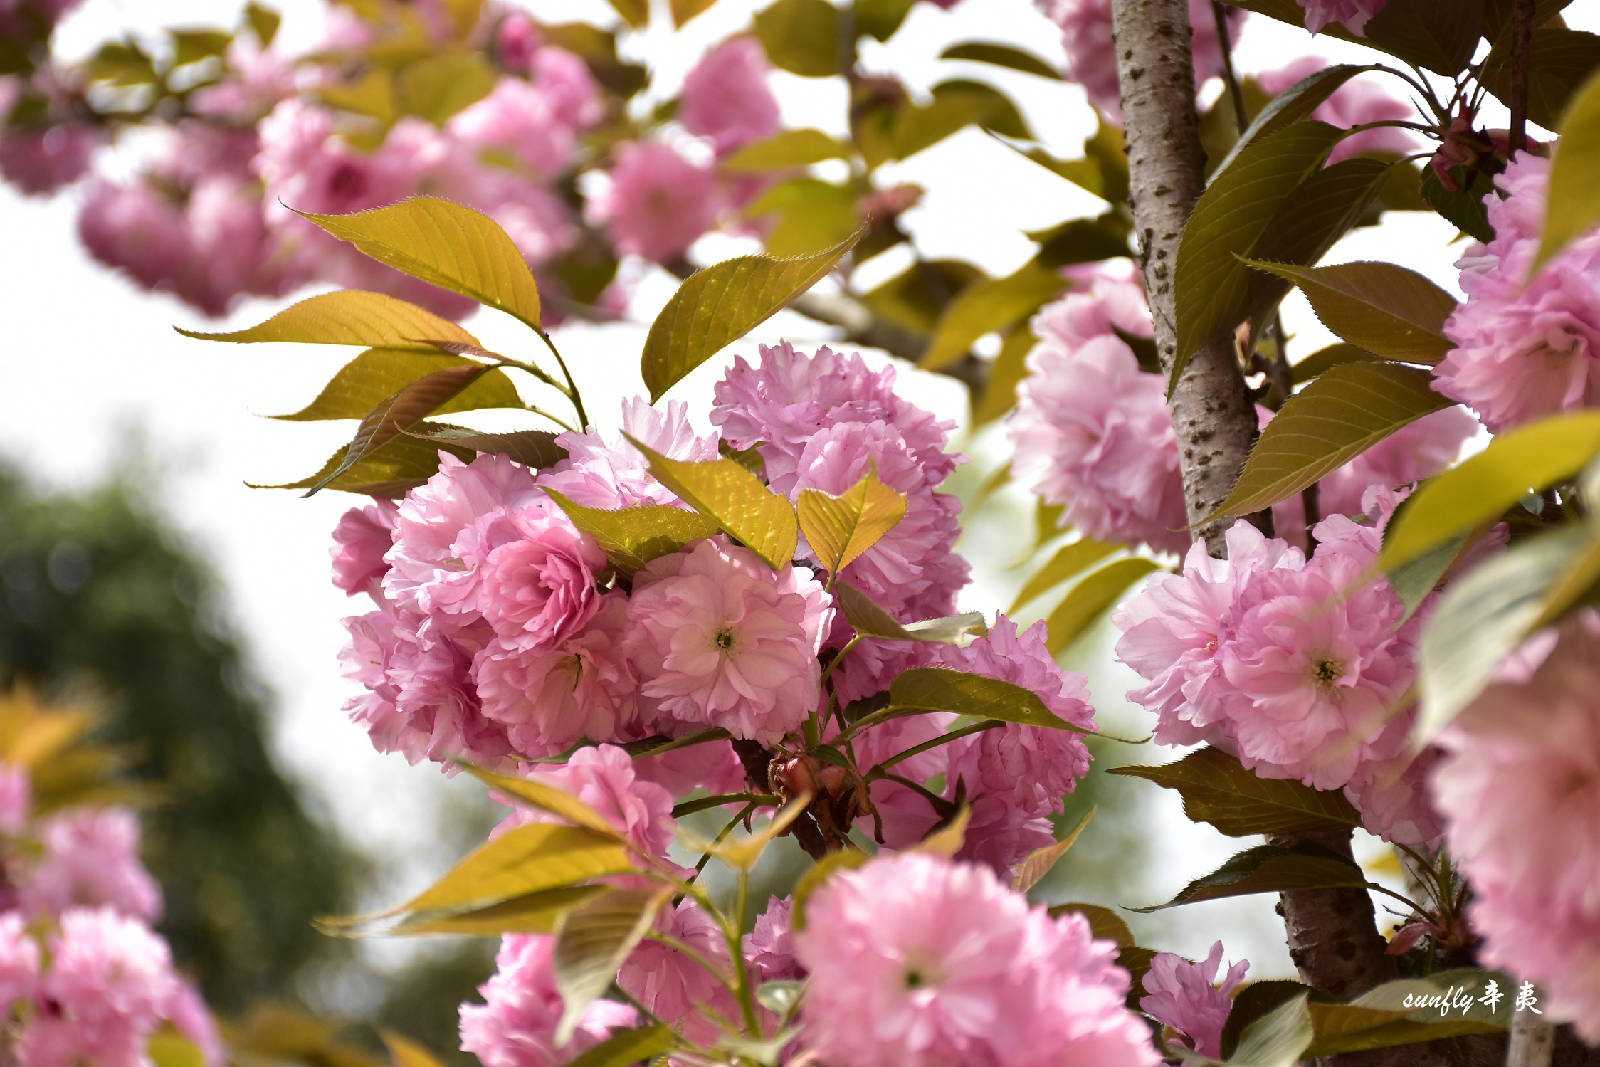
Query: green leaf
column 1068, row 561
column 985, row 306
column 1007, row 371
column 1385, row 309
column 1481, row 617
column 879, row 19
column 1572, row 209
column 191, row 46
column 1464, row 209
column 593, row 940
column 1294, row 104
column 647, row 1043
column 781, row 995
column 1212, row 286
column 791, row 148
column 1391, row 1014
column 378, row 373
column 1475, row 493
column 1090, row 598
column 524, row 860
column 529, row 913
column 1413, row 581
column 840, row 528
column 955, row 105
column 802, row 37
column 1269, row 869
column 1277, row 1039
column 721, row 304
column 387, row 471
column 1001, row 55
column 531, row 448
column 760, row 519
column 1324, row 358
column 1342, row 413
column 439, row 85
column 1560, row 60
column 941, row 689
column 445, row 244
column 264, row 22
column 869, row 620
column 917, row 296
column 810, row 214
column 682, row 12
column 632, row 537
column 1038, row 863
column 349, row 317
column 1217, row 789
column 636, row 13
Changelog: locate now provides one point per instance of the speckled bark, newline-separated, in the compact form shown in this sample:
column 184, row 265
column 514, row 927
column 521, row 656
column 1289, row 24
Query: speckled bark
column 1332, row 935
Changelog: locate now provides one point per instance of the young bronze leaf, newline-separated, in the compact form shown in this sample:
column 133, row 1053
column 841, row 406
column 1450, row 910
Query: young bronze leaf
column 407, row 406
column 1342, row 413
column 721, row 304
column 632, row 537
column 840, row 528
column 1572, row 209
column 985, row 306
column 378, row 373
column 1385, row 309
column 1270, row 869
column 941, row 689
column 1476, row 493
column 349, row 317
column 1212, row 287
column 870, row 620
column 591, row 943
column 531, row 448
column 445, row 244
column 721, row 488
column 1068, row 561
column 1216, row 789
column 1090, row 598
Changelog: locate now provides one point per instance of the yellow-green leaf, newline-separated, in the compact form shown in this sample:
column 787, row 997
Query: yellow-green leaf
column 1005, row 374
column 530, row 913
column 636, row 13
column 791, row 148
column 1342, row 413
column 947, row 840
column 644, row 1045
column 1038, row 863
column 808, row 213
column 1530, row 457
column 988, row 305
column 370, row 95
column 1294, row 104
column 548, row 798
column 870, row 620
column 722, row 489
column 1001, row 55
column 388, row 471
column 1068, row 561
column 445, row 244
column 720, row 304
column 439, row 85
column 632, row 537
column 743, row 852
column 404, row 1052
column 801, row 36
column 1572, row 209
column 1090, row 598
column 378, row 373
column 591, row 943
column 840, row 528
column 1383, row 308
column 349, row 317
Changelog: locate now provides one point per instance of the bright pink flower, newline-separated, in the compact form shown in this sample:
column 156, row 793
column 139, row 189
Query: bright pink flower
column 1355, row 103
column 770, row 946
column 360, row 541
column 657, row 203
column 1525, row 348
column 518, row 118
column 539, row 588
column 516, row 1024
column 515, row 40
column 1185, row 997
column 91, row 858
column 605, row 471
column 1521, row 774
column 1092, row 61
column 1352, row 14
column 726, row 98
column 546, row 697
column 676, row 989
column 902, row 971
column 19, row 961
column 719, row 638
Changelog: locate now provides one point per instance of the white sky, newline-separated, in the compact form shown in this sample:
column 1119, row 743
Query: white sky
column 94, row 365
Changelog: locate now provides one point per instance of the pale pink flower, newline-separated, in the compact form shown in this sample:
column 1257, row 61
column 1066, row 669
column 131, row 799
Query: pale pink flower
column 39, row 162
column 676, row 989
column 132, row 228
column 1352, row 14
column 712, row 766
column 604, row 777
column 917, row 960
column 1186, row 997
column 91, row 858
column 257, row 79
column 719, row 638
column 770, row 946
column 602, row 470
column 1392, row 797
column 16, row 798
column 726, row 98
column 517, row 117
column 1355, row 103
column 19, row 961
column 360, row 541
column 546, row 697
column 539, row 587
column 565, row 81
column 657, row 203
column 516, row 1024
column 1521, row 774
column 189, row 1015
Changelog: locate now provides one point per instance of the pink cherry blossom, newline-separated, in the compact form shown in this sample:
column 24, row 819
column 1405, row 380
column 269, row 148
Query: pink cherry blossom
column 604, row 778
column 16, row 798
column 770, row 946
column 539, row 587
column 602, row 470
column 726, row 98
column 516, row 1024
column 657, row 203
column 1352, row 14
column 675, row 988
column 91, row 858
column 1186, row 997
column 517, row 117
column 720, row 638
column 900, row 973
column 360, row 541
column 19, row 961
column 39, row 162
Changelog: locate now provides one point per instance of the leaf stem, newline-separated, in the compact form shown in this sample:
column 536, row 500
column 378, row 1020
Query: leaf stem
column 572, row 386
column 1229, row 77
column 741, row 970
column 689, row 807
column 942, row 739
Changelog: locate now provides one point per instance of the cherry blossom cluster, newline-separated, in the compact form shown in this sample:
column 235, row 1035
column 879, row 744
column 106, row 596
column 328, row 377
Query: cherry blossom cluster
column 1299, row 667
column 212, row 213
column 1525, row 347
column 83, row 977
